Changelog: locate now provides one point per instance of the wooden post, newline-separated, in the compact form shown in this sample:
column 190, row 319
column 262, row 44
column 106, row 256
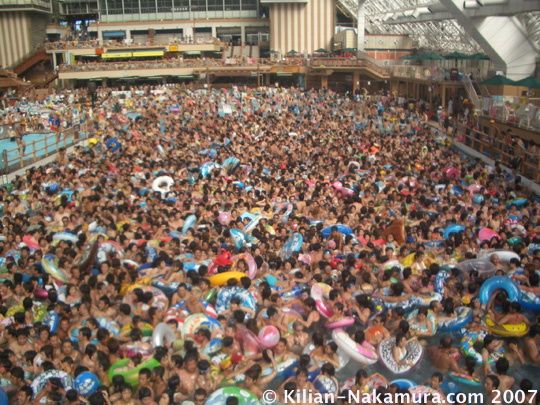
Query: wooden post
column 34, row 150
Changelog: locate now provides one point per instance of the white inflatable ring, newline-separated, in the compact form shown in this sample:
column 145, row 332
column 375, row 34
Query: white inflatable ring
column 162, row 184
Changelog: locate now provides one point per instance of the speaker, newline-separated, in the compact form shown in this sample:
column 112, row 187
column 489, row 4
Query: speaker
column 92, row 87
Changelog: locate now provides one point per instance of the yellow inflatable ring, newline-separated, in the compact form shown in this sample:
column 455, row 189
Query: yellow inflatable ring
column 221, row 278
column 507, row 330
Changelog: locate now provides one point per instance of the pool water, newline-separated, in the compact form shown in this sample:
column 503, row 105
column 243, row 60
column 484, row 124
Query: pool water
column 32, row 141
column 422, row 372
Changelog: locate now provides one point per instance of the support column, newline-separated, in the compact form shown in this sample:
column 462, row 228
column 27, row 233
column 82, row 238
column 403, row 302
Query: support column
column 188, row 32
column 360, row 26
column 214, row 32
column 324, row 82
column 128, row 34
column 356, row 81
column 443, row 95
column 55, row 63
column 242, row 35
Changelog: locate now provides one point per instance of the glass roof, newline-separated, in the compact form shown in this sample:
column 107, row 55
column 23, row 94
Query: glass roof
column 444, row 35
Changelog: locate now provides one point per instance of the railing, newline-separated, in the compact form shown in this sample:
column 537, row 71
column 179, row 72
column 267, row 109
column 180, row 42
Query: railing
column 347, row 62
column 512, row 110
column 12, row 159
column 111, row 44
column 498, row 148
column 30, row 60
column 43, row 4
column 471, row 91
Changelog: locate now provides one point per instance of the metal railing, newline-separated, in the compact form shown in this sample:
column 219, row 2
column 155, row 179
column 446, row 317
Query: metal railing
column 498, row 148
column 514, row 111
column 16, row 158
column 471, row 91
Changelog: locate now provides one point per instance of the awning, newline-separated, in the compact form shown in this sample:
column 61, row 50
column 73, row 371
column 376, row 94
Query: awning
column 185, row 76
column 116, row 55
column 144, row 54
column 279, row 74
column 192, row 53
column 114, row 34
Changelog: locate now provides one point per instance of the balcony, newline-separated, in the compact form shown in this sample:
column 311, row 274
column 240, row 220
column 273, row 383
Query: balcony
column 30, row 5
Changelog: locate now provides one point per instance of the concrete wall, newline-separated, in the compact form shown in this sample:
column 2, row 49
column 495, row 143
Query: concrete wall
column 20, row 33
column 388, row 42
column 302, row 27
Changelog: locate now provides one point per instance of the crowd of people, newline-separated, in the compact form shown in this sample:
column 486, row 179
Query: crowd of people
column 206, row 245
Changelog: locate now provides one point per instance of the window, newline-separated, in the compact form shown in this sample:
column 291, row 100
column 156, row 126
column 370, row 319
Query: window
column 181, row 5
column 249, row 4
column 215, row 5
column 148, row 6
column 198, row 5
column 164, row 6
column 232, row 5
column 131, row 6
column 114, row 6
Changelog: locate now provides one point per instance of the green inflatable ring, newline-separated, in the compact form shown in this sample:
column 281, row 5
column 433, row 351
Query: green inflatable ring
column 245, row 397
column 131, row 376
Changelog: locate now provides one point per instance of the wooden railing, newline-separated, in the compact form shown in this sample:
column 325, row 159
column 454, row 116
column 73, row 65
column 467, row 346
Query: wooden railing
column 497, row 148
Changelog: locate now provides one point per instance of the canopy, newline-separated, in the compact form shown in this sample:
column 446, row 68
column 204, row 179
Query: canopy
column 321, row 50
column 457, row 55
column 430, row 56
column 410, row 57
column 479, row 56
column 530, row 82
column 498, row 80
column 292, row 53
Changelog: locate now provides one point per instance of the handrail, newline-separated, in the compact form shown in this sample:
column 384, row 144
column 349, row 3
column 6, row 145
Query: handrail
column 498, row 149
column 18, row 160
column 471, row 91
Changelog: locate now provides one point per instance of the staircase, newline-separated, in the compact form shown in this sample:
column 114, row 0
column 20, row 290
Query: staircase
column 32, row 60
column 471, row 92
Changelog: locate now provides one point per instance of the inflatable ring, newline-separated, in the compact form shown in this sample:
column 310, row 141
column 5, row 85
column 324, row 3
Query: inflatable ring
column 529, row 301
column 196, row 321
column 162, row 184
column 222, row 278
column 414, row 354
column 403, row 384
column 113, row 145
column 483, row 266
column 245, row 397
column 467, row 346
column 363, row 353
column 464, row 316
column 498, row 283
column 293, row 244
column 451, row 229
column 50, row 265
column 225, row 295
column 465, row 379
column 131, row 376
column 162, row 334
column 41, row 380
column 507, row 330
column 343, row 229
column 504, row 255
column 250, row 261
column 66, row 237
column 189, row 223
column 342, row 323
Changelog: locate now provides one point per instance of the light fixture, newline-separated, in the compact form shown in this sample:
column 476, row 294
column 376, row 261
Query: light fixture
column 468, row 4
